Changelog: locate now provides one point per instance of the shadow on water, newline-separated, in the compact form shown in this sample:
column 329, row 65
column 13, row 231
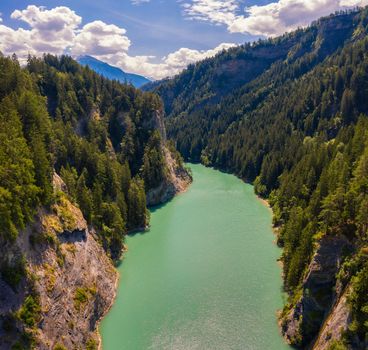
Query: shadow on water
column 138, row 231
column 144, row 230
column 156, row 208
column 119, row 263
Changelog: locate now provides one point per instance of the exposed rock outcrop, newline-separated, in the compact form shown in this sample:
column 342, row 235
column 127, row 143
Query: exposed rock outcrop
column 318, row 293
column 177, row 181
column 73, row 279
column 157, row 123
column 336, row 323
column 65, row 274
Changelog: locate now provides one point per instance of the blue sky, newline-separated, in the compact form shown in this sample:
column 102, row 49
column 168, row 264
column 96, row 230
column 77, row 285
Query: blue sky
column 155, row 38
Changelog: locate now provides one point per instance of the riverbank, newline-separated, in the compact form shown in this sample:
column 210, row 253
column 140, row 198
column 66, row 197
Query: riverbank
column 98, row 323
column 177, row 181
column 204, row 277
column 181, row 185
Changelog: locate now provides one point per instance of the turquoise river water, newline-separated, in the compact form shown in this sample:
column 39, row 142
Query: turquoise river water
column 204, row 277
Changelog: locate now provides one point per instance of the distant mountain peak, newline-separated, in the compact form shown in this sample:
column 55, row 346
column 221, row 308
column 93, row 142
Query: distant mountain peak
column 112, row 72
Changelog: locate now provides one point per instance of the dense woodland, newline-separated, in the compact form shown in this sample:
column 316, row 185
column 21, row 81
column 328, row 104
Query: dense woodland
column 297, row 127
column 101, row 137
column 289, row 114
column 96, row 133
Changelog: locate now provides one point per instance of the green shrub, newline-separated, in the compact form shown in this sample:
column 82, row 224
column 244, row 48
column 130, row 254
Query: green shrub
column 81, row 296
column 91, row 344
column 337, row 345
column 30, row 311
column 12, row 274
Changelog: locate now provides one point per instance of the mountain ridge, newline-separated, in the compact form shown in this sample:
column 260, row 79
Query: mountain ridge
column 295, row 126
column 112, row 72
column 81, row 158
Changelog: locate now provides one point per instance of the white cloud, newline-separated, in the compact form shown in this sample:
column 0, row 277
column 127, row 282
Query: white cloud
column 59, row 30
column 138, row 2
column 100, row 38
column 272, row 19
column 50, row 30
column 215, row 11
column 56, row 19
column 168, row 66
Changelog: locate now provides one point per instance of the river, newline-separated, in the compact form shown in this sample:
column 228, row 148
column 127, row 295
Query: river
column 204, row 277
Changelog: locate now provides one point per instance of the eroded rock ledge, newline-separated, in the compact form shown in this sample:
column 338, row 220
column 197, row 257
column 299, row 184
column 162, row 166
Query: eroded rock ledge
column 177, row 181
column 320, row 298
column 72, row 277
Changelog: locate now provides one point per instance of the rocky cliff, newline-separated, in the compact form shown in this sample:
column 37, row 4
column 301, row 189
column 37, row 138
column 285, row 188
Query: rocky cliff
column 177, row 177
column 320, row 301
column 56, row 280
column 335, row 324
column 177, row 181
column 68, row 286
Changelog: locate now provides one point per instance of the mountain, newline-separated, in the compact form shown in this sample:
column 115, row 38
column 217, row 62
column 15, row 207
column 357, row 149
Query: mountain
column 81, row 157
column 290, row 115
column 111, row 72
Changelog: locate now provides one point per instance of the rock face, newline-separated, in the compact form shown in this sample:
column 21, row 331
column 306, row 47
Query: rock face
column 318, row 294
column 336, row 323
column 64, row 269
column 76, row 293
column 157, row 123
column 178, row 179
column 73, row 278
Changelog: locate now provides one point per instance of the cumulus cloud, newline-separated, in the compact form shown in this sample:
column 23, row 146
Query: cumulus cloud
column 100, row 38
column 59, row 31
column 167, row 66
column 215, row 11
column 272, row 19
column 50, row 30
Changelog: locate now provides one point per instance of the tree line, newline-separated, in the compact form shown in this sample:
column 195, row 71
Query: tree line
column 58, row 116
column 298, row 131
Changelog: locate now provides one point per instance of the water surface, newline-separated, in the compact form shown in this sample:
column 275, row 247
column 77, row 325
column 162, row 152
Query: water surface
column 204, row 277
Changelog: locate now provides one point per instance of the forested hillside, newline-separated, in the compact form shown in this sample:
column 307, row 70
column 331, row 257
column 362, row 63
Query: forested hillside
column 95, row 133
column 111, row 72
column 105, row 141
column 290, row 115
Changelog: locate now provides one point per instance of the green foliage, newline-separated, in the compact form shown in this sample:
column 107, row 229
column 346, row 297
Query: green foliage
column 91, row 344
column 18, row 192
column 113, row 228
column 18, row 346
column 12, row 273
column 30, row 311
column 81, row 297
column 293, row 122
column 102, row 130
column 96, row 133
column 84, row 197
column 137, row 212
column 37, row 131
column 154, row 166
column 359, row 302
column 337, row 345
column 59, row 347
